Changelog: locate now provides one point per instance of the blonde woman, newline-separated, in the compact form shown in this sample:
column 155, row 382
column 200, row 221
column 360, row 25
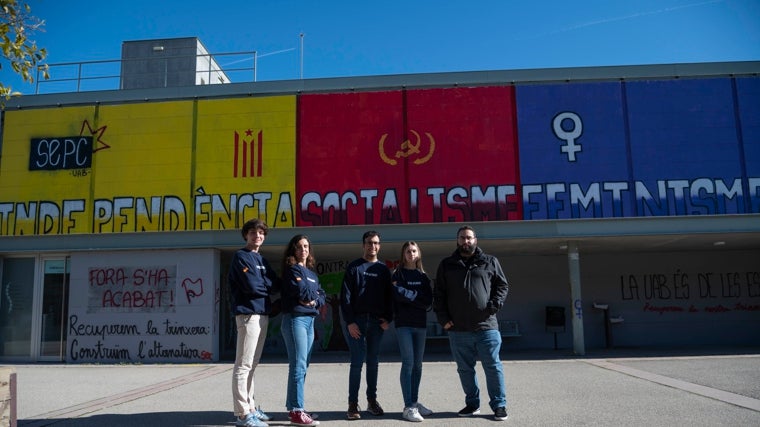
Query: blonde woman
column 412, row 296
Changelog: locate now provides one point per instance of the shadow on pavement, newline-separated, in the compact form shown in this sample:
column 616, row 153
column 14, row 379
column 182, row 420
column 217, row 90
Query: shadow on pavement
column 560, row 354
column 200, row 418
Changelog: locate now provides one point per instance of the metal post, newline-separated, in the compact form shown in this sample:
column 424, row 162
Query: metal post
column 208, row 64
column 255, row 65
column 574, row 269
column 301, row 59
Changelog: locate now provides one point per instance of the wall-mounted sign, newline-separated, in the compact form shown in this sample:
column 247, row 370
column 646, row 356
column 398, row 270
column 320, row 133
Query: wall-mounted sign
column 60, row 152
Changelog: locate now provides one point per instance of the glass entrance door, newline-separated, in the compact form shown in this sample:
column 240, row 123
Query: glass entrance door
column 16, row 308
column 54, row 309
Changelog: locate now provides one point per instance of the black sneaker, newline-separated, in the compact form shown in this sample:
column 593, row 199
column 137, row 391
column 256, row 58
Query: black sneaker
column 500, row 414
column 353, row 411
column 374, row 408
column 469, row 411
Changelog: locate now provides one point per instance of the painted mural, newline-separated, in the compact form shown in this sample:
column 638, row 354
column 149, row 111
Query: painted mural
column 529, row 152
column 642, row 148
column 415, row 156
column 167, row 166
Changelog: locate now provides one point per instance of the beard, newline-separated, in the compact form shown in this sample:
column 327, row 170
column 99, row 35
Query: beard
column 466, row 250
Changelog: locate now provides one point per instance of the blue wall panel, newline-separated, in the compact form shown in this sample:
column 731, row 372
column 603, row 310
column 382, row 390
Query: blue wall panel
column 684, row 147
column 573, row 161
column 748, row 100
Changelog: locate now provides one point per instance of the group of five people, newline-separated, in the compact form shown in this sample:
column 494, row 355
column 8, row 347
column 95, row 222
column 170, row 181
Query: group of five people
column 470, row 288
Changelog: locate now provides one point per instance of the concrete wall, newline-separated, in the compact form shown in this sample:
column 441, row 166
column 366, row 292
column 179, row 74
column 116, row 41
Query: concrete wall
column 664, row 299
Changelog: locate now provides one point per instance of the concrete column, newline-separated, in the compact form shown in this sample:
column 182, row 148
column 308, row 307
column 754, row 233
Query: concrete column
column 574, row 269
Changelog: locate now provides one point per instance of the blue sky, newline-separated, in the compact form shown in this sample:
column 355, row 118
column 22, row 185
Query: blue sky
column 362, row 38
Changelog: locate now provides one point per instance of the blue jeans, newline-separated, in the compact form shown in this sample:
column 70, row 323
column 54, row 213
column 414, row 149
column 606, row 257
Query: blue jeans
column 467, row 347
column 411, row 344
column 366, row 347
column 298, row 334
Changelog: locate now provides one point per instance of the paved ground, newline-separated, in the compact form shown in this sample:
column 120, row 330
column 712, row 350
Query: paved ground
column 553, row 388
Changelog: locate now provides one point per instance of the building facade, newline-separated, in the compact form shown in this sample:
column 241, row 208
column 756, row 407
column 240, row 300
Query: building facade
column 623, row 203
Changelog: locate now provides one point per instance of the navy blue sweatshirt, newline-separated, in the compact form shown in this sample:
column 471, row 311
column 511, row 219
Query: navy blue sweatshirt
column 301, row 284
column 252, row 280
column 366, row 289
column 412, row 296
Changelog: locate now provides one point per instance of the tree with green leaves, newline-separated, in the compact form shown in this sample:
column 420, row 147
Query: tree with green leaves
column 20, row 52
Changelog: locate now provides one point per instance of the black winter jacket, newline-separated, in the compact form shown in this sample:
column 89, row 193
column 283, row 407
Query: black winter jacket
column 469, row 291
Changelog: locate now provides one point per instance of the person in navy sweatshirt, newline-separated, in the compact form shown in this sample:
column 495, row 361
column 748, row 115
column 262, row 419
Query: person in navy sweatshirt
column 252, row 282
column 366, row 305
column 412, row 297
column 302, row 297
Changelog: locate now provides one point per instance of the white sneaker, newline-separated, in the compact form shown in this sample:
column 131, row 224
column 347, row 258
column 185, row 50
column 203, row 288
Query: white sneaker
column 412, row 414
column 423, row 410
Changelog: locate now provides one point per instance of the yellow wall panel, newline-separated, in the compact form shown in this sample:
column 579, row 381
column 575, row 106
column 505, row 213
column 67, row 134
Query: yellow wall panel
column 245, row 162
column 43, row 201
column 142, row 182
column 164, row 166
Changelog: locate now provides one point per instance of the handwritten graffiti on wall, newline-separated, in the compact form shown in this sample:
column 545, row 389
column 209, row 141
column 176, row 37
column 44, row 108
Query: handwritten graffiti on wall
column 578, row 305
column 680, row 286
column 719, row 308
column 89, row 342
column 68, row 152
column 143, row 306
column 132, row 289
column 684, row 285
column 57, row 153
column 193, row 288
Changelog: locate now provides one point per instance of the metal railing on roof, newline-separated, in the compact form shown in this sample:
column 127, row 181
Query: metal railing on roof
column 108, row 74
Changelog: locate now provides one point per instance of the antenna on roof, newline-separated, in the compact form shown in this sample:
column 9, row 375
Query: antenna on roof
column 301, row 36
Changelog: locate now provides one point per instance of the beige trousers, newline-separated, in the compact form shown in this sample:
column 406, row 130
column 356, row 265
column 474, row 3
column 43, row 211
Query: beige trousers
column 251, row 334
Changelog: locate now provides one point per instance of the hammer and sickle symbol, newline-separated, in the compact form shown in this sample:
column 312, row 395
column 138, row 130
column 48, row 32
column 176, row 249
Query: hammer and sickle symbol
column 408, row 148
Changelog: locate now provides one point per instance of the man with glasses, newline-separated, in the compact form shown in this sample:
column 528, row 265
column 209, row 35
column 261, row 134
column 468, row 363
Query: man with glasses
column 367, row 310
column 470, row 288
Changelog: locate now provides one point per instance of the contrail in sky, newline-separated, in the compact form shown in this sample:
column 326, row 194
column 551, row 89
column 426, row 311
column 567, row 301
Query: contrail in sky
column 620, row 18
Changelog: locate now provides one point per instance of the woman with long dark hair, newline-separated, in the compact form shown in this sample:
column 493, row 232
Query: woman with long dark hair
column 302, row 296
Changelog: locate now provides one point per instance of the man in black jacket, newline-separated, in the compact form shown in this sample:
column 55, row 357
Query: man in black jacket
column 470, row 288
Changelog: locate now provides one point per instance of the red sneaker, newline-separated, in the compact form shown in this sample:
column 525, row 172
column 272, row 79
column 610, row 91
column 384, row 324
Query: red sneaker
column 301, row 418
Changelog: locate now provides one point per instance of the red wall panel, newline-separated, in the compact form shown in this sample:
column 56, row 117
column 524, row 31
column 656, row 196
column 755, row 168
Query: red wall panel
column 430, row 155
